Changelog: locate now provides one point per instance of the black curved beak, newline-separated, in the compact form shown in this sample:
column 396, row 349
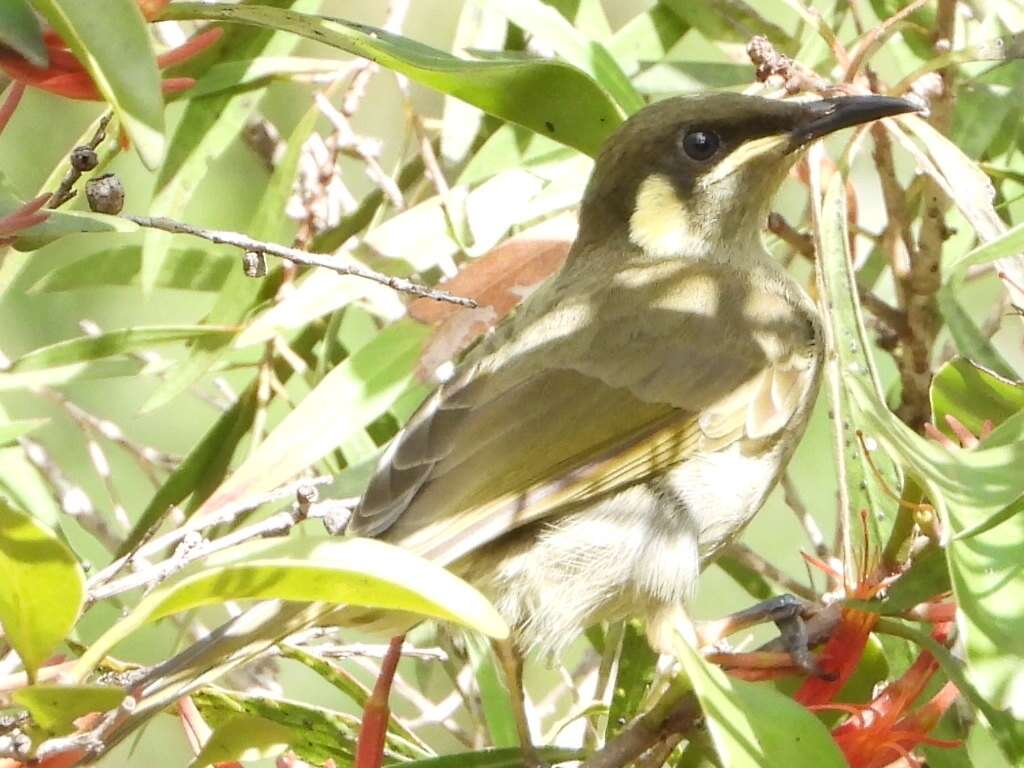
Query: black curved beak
column 823, row 117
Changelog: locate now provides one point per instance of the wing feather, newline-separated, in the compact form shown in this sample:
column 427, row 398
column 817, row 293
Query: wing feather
column 525, row 430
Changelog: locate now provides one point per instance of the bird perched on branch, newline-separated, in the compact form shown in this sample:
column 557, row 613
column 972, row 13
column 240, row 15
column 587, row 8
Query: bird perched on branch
column 600, row 447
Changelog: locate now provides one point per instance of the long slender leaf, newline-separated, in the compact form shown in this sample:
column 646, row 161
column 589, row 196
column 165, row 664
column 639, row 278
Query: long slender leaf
column 88, row 348
column 549, row 97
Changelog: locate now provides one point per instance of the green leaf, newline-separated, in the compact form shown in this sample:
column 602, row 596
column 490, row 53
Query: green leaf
column 753, row 725
column 65, row 374
column 549, row 27
column 353, row 572
column 318, row 734
column 637, row 664
column 734, row 21
column 232, row 77
column 350, row 397
column 186, row 269
column 547, row 96
column 208, row 127
column 54, row 708
column 973, row 395
column 20, row 31
column 10, row 431
column 494, row 696
column 89, row 348
column 970, row 341
column 243, row 737
column 849, row 343
column 115, row 48
column 1008, row 244
column 646, row 38
column 969, row 487
column 42, row 587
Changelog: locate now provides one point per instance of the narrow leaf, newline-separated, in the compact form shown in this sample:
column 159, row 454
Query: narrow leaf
column 547, row 96
column 54, row 708
column 352, row 572
column 89, row 348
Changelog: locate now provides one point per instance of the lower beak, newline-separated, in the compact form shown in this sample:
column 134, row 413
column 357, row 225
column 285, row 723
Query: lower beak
column 823, row 117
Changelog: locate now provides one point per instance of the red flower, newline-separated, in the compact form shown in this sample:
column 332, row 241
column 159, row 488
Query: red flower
column 66, row 76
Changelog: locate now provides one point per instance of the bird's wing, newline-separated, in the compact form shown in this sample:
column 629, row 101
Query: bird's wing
column 524, row 430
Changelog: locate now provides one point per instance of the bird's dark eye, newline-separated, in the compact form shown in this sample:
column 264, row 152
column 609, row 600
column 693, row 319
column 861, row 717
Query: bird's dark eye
column 700, row 145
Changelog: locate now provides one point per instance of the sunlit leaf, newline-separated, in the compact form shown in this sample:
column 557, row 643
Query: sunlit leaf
column 852, row 350
column 973, row 395
column 545, row 95
column 549, row 27
column 244, row 737
column 753, row 725
column 318, row 734
column 54, row 708
column 351, row 572
column 114, row 46
column 42, row 587
column 119, row 342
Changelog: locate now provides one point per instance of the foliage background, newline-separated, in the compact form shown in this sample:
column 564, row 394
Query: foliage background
column 707, row 54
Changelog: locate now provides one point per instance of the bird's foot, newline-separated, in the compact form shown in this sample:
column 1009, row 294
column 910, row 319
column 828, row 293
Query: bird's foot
column 792, row 649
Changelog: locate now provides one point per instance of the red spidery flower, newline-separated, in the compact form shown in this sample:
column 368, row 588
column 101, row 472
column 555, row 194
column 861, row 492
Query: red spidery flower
column 884, row 730
column 66, row 76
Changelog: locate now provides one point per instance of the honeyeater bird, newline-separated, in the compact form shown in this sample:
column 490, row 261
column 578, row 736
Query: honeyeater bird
column 595, row 451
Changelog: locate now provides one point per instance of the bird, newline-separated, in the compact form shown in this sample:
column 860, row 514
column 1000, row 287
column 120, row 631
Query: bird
column 608, row 439
column 604, row 443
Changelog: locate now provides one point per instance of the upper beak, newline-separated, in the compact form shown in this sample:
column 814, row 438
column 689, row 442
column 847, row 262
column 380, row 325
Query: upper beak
column 828, row 115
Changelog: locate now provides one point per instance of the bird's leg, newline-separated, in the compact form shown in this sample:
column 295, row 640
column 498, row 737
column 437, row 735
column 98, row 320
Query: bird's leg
column 787, row 613
column 511, row 662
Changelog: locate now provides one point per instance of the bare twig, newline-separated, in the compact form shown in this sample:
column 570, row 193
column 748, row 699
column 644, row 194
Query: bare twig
column 795, row 76
column 246, row 243
column 73, row 500
column 82, row 159
column 223, row 516
column 677, row 712
column 194, row 547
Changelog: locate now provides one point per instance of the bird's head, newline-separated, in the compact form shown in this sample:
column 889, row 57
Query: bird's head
column 688, row 174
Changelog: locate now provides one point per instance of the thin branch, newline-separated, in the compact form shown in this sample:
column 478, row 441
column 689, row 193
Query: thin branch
column 246, row 243
column 677, row 712
column 223, row 516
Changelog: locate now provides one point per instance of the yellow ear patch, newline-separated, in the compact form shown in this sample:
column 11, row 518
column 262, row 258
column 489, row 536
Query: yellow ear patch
column 660, row 223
